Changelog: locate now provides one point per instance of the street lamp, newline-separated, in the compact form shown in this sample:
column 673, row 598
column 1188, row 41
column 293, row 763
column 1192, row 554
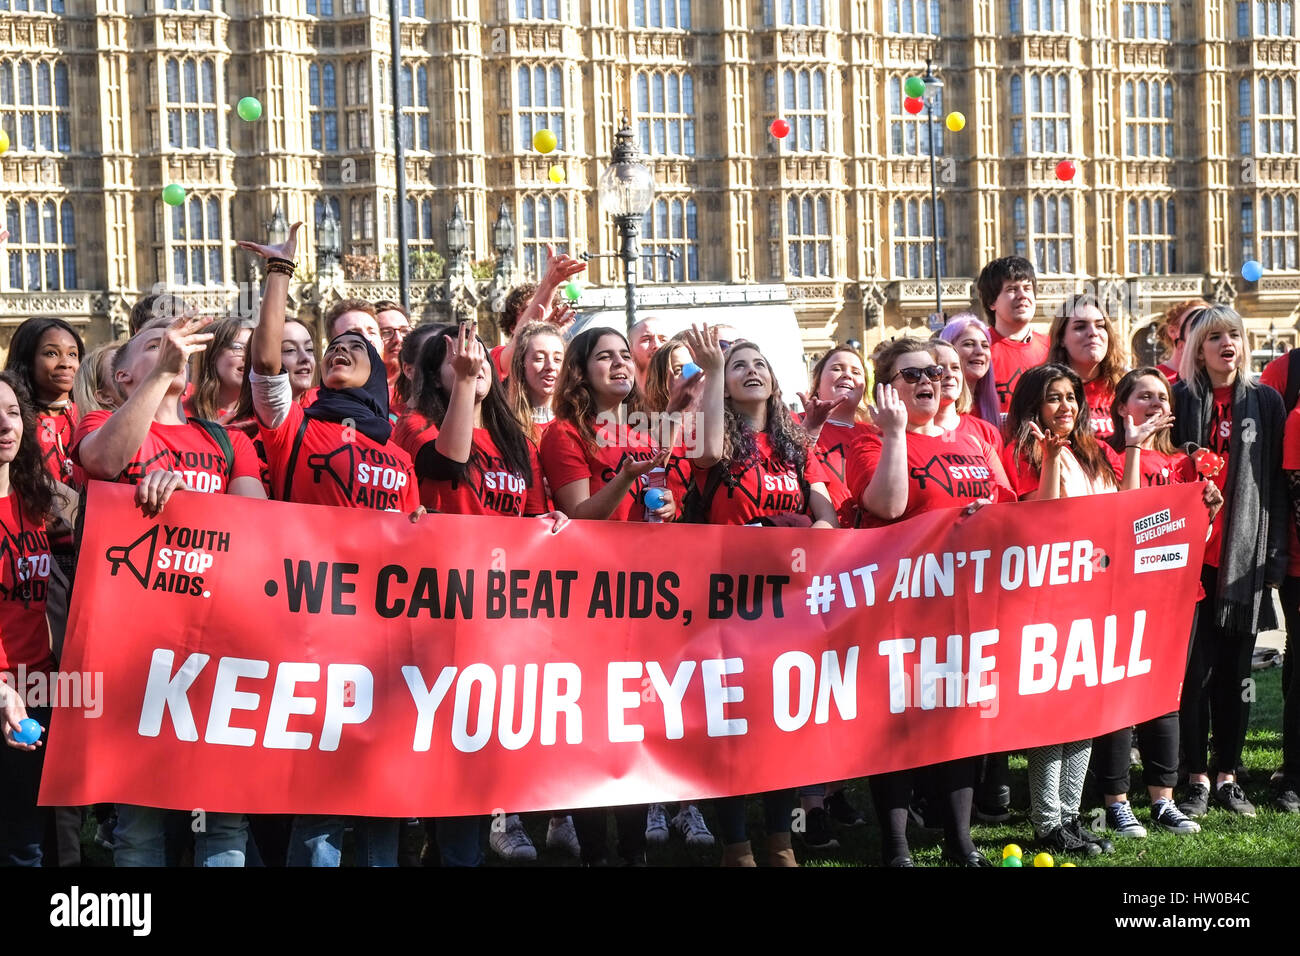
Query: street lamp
column 328, row 245
column 503, row 240
column 626, row 189
column 933, row 88
column 457, row 238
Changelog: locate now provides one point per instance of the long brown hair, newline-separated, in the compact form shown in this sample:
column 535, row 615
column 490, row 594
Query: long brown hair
column 659, row 376
column 27, row 474
column 790, row 443
column 1026, row 407
column 1123, row 392
column 207, row 384
column 575, row 402
column 520, row 404
column 1111, row 368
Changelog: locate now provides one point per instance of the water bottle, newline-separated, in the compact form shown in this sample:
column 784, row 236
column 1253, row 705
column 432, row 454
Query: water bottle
column 656, row 480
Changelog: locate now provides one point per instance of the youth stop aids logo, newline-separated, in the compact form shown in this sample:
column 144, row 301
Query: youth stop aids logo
column 175, row 564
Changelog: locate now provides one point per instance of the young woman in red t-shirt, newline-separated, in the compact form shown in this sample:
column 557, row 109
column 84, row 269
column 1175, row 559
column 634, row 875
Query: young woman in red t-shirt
column 970, row 337
column 1218, row 405
column 955, row 399
column 1053, row 453
column 534, row 377
column 219, row 376
column 1083, row 338
column 911, row 467
column 45, row 354
column 755, row 465
column 1141, row 418
column 29, row 501
column 836, row 418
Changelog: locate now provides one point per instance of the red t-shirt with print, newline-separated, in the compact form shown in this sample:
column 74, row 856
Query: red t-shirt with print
column 764, row 488
column 490, row 487
column 1011, row 359
column 943, row 471
column 186, row 448
column 339, row 466
column 834, row 445
column 1100, row 396
column 977, row 427
column 565, row 459
column 24, row 580
column 1220, row 440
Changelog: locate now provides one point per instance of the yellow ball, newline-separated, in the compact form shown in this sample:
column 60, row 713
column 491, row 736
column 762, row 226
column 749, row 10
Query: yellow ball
column 544, row 141
column 1044, row 859
column 1064, row 865
column 956, row 121
column 4, row 141
column 557, row 174
column 1012, row 850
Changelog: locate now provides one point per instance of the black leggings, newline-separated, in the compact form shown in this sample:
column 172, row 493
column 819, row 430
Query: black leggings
column 1158, row 741
column 1291, row 681
column 592, row 828
column 1214, row 691
column 954, row 787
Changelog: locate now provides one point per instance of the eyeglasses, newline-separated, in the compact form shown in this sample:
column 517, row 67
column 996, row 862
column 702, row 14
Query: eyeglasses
column 388, row 335
column 913, row 376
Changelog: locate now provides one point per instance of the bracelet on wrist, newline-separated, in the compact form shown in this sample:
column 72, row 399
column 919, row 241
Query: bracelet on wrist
column 279, row 268
column 1138, row 447
column 281, row 259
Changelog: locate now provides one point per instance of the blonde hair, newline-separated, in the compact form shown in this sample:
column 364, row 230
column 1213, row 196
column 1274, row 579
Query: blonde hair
column 95, row 376
column 965, row 401
column 1198, row 327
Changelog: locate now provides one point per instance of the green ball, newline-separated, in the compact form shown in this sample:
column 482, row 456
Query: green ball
column 572, row 291
column 174, row 194
column 249, row 109
column 1013, row 861
column 915, row 86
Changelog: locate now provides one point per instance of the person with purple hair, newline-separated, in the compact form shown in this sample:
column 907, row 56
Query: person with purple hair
column 970, row 337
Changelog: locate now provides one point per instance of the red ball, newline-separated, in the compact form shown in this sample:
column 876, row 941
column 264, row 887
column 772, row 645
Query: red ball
column 913, row 105
column 1065, row 170
column 779, row 128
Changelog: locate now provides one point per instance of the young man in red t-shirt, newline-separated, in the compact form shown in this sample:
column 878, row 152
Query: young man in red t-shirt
column 1008, row 290
column 148, row 442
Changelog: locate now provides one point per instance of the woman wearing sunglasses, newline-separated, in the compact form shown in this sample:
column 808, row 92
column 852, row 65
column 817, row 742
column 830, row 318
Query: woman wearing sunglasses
column 913, row 466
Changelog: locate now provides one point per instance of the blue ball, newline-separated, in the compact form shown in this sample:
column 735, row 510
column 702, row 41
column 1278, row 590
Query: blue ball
column 29, row 731
column 1251, row 270
column 690, row 370
column 654, row 499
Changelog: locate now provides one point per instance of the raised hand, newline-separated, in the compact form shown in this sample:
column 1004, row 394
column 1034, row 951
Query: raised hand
column 1051, row 444
column 563, row 317
column 816, row 410
column 181, row 340
column 704, row 348
column 467, row 355
column 685, row 393
column 560, row 267
column 1137, row 434
column 889, row 414
column 285, row 250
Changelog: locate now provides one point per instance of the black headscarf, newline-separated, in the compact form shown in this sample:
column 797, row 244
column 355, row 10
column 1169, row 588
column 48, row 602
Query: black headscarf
column 365, row 408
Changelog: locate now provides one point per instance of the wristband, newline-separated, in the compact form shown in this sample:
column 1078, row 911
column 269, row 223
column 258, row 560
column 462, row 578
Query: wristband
column 279, row 268
column 1138, row 447
column 288, row 262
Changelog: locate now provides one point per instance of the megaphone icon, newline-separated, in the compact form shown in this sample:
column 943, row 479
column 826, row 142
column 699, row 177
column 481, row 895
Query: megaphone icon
column 118, row 556
column 325, row 464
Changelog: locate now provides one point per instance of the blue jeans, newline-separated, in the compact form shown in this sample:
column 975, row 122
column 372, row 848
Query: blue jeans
column 777, row 808
column 460, row 840
column 140, row 837
column 318, row 841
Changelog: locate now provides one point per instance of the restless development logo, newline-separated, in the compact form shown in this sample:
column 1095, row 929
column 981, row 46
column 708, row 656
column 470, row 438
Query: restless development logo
column 177, row 566
column 1156, row 525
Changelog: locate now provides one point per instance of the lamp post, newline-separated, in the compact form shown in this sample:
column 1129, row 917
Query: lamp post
column 933, row 88
column 399, row 153
column 457, row 240
column 503, row 240
column 626, row 189
column 328, row 245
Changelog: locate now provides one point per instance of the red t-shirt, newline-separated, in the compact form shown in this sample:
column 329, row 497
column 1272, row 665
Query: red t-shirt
column 979, row 428
column 24, row 580
column 565, row 459
column 763, row 489
column 339, row 466
column 1276, row 373
column 943, row 471
column 490, row 489
column 412, row 431
column 1099, row 396
column 54, row 431
column 1171, row 373
column 833, row 447
column 1158, row 469
column 1220, row 440
column 497, row 351
column 1011, row 358
column 1291, row 462
column 187, row 449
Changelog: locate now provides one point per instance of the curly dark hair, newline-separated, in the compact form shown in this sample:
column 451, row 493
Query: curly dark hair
column 22, row 349
column 790, row 443
column 1026, row 405
column 574, row 399
column 431, row 400
column 27, row 474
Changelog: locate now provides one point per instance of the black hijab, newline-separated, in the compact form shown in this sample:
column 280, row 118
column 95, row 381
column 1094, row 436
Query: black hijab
column 365, row 408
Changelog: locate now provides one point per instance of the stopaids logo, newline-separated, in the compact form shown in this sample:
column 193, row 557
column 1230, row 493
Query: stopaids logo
column 175, row 564
column 1159, row 559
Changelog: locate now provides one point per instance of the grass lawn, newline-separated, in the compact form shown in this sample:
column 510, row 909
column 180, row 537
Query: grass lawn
column 1271, row 839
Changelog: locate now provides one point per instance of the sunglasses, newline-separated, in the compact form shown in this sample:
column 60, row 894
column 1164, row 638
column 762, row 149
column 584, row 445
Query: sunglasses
column 913, row 376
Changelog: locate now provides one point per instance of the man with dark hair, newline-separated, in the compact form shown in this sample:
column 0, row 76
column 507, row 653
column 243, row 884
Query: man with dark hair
column 1008, row 290
column 394, row 326
column 353, row 315
column 158, row 305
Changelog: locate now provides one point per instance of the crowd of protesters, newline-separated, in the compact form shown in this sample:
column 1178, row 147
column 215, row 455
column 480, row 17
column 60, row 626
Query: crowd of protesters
column 552, row 418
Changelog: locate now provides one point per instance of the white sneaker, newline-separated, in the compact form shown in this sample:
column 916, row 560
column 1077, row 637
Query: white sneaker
column 512, row 843
column 656, row 825
column 692, row 827
column 562, row 836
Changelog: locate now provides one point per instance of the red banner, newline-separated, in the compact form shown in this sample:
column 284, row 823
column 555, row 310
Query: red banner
column 269, row 657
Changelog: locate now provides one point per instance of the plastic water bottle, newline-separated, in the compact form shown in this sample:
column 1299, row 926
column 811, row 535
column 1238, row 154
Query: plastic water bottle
column 656, row 480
